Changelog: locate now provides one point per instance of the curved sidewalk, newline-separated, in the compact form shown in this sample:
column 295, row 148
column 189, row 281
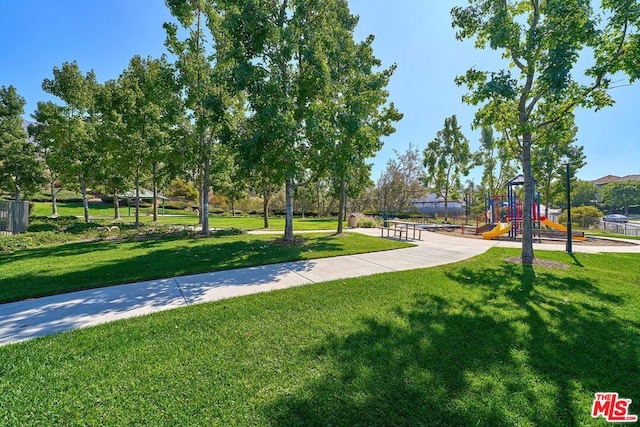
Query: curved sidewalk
column 28, row 319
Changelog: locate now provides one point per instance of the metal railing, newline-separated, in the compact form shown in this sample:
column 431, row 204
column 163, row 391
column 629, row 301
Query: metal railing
column 14, row 217
column 621, row 228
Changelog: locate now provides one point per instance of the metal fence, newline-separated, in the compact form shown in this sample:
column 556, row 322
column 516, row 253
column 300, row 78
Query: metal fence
column 14, row 217
column 621, row 228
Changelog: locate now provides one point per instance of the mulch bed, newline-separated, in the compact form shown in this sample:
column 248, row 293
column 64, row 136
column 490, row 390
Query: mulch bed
column 539, row 262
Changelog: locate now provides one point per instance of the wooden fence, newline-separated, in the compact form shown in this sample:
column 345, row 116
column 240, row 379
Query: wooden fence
column 14, row 217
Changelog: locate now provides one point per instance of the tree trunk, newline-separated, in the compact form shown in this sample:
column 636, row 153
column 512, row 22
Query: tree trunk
column 116, row 205
column 205, row 197
column 85, row 199
column 318, row 194
column 288, row 222
column 527, row 222
column 54, row 199
column 265, row 208
column 137, row 199
column 233, row 206
column 155, row 191
column 446, row 205
column 341, row 208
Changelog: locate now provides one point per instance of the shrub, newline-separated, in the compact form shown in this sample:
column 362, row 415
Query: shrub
column 176, row 205
column 228, row 232
column 367, row 223
column 364, row 221
column 182, row 190
column 583, row 216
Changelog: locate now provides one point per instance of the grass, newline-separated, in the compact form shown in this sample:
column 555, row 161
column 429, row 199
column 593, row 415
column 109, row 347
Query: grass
column 54, row 269
column 482, row 342
column 599, row 233
column 103, row 212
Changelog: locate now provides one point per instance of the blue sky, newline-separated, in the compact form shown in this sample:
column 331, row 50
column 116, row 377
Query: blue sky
column 103, row 35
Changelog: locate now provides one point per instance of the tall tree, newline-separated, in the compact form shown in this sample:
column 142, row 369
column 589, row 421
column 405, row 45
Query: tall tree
column 542, row 40
column 447, row 159
column 151, row 112
column 20, row 170
column 284, row 51
column 75, row 143
column 113, row 143
column 354, row 121
column 201, row 61
column 49, row 129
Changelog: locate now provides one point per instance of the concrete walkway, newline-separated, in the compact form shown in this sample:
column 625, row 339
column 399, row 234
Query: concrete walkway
column 28, row 319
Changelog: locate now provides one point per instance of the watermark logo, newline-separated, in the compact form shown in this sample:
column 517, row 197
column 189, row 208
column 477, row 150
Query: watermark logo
column 612, row 408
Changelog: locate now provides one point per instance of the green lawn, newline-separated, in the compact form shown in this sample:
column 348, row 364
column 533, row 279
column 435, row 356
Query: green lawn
column 482, row 342
column 67, row 267
column 104, row 212
column 598, row 233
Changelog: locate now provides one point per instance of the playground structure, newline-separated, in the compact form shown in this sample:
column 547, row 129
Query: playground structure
column 504, row 215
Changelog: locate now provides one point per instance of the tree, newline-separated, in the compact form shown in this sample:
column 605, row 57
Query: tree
column 201, row 61
column 75, row 121
column 20, row 170
column 149, row 115
column 542, row 40
column 447, row 158
column 621, row 195
column 584, row 193
column 497, row 159
column 113, row 142
column 548, row 159
column 353, row 123
column 402, row 182
column 285, row 65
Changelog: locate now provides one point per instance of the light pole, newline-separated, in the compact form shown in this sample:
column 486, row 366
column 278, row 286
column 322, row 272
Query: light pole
column 569, row 232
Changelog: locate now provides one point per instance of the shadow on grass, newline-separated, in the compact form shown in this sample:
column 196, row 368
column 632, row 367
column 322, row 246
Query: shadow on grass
column 516, row 353
column 28, row 319
column 189, row 256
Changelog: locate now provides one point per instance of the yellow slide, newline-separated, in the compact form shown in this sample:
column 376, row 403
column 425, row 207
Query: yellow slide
column 552, row 224
column 561, row 227
column 500, row 229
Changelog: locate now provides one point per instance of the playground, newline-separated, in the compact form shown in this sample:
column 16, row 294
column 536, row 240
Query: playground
column 504, row 217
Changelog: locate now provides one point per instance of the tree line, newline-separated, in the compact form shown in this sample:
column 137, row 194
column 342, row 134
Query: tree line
column 253, row 94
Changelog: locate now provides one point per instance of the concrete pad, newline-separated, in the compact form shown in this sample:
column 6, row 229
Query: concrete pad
column 43, row 316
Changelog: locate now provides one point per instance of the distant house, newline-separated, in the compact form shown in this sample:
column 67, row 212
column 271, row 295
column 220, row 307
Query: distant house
column 432, row 204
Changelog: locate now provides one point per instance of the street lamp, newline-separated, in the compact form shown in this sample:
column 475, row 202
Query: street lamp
column 569, row 232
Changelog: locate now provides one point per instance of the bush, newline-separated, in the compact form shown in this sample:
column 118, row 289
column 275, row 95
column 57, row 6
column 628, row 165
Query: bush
column 176, row 205
column 367, row 223
column 583, row 216
column 364, row 221
column 228, row 232
column 182, row 190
